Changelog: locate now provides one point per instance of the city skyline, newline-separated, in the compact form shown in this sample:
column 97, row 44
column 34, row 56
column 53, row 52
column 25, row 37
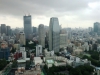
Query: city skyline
column 71, row 14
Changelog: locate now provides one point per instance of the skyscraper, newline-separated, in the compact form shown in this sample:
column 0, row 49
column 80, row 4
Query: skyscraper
column 27, row 26
column 3, row 29
column 54, row 34
column 96, row 27
column 41, row 33
column 8, row 31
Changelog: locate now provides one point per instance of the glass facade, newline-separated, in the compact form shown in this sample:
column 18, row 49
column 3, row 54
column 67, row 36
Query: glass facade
column 27, row 26
column 54, row 34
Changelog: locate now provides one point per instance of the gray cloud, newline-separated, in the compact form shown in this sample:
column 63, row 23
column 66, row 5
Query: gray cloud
column 76, row 9
column 41, row 7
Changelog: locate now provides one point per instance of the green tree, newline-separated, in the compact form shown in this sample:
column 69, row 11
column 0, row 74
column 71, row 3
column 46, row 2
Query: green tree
column 13, row 50
column 3, row 63
column 14, row 65
column 86, row 73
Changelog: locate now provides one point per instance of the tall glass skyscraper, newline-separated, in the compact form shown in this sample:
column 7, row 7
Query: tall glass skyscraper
column 54, row 34
column 27, row 26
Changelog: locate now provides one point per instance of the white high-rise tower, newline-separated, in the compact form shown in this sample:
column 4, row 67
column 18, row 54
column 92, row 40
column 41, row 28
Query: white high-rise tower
column 54, row 34
column 41, row 33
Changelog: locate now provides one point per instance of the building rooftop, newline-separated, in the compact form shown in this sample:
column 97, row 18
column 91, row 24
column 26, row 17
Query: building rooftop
column 50, row 61
column 29, row 72
column 37, row 58
column 21, row 61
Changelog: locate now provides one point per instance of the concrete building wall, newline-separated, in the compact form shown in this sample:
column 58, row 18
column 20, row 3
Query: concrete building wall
column 41, row 33
column 38, row 50
column 22, row 38
column 63, row 40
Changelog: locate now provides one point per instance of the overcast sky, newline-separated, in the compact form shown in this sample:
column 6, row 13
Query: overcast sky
column 71, row 13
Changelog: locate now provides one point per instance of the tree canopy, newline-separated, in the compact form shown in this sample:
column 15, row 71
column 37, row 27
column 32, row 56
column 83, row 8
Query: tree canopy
column 3, row 64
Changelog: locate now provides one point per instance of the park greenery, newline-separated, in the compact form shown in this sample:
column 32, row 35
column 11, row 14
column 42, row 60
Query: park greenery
column 14, row 63
column 82, row 70
column 63, row 70
column 94, row 58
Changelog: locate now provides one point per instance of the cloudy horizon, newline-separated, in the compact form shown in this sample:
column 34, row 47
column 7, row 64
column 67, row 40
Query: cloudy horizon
column 76, row 13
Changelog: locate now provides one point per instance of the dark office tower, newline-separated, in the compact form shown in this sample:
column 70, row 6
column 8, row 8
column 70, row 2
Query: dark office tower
column 27, row 26
column 8, row 31
column 3, row 29
column 96, row 27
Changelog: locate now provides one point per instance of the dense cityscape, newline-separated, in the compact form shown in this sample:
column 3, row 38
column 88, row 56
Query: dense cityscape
column 49, row 49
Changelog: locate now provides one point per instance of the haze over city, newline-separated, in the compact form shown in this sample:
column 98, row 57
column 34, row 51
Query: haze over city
column 71, row 13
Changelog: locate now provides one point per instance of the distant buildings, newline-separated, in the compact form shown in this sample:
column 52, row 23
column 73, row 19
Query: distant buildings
column 63, row 40
column 27, row 26
column 54, row 34
column 41, row 33
column 22, row 38
column 90, row 29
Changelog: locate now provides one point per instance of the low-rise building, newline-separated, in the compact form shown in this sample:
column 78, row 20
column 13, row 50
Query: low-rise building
column 77, row 51
column 37, row 60
column 36, row 70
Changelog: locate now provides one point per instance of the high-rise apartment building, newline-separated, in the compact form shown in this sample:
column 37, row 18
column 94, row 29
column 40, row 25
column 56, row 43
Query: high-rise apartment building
column 3, row 29
column 41, row 33
column 54, row 34
column 22, row 38
column 96, row 27
column 27, row 25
